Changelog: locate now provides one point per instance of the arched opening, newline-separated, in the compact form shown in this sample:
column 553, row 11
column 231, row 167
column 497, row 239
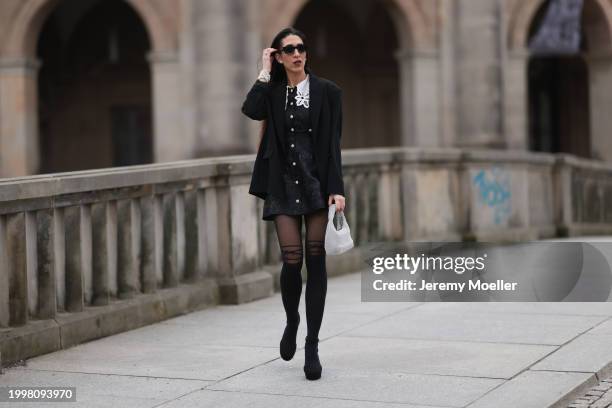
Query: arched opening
column 94, row 87
column 559, row 88
column 353, row 44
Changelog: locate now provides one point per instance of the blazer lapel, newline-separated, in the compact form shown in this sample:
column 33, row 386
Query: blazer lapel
column 280, row 95
column 316, row 98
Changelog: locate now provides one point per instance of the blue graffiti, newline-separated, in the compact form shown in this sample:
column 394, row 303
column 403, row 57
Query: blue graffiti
column 495, row 192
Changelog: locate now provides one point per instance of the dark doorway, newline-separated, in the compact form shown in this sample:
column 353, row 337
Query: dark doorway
column 94, row 87
column 353, row 44
column 559, row 105
column 559, row 100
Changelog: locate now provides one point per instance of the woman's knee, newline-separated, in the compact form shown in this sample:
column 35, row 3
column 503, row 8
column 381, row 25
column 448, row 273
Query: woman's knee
column 292, row 255
column 315, row 248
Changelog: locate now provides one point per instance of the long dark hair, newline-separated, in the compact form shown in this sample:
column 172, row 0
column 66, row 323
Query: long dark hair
column 278, row 73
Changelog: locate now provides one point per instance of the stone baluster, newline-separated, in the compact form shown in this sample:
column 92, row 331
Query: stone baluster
column 105, row 240
column 180, row 235
column 170, row 264
column 59, row 251
column 207, row 224
column 79, row 282
column 389, row 204
column 31, row 262
column 352, row 203
column 152, row 250
column 4, row 275
column 192, row 269
column 47, row 301
column 360, row 198
column 17, row 267
column 374, row 192
column 362, row 208
column 129, row 248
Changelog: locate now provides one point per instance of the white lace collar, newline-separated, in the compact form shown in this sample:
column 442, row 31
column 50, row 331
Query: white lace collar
column 302, row 97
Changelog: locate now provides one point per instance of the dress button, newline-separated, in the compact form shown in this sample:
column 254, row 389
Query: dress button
column 297, row 200
column 294, row 163
column 310, row 130
column 290, row 103
column 297, row 182
column 291, row 116
column 292, row 145
column 292, row 129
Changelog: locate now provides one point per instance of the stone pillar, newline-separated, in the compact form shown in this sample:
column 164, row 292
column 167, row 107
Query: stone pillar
column 171, row 143
column 224, row 71
column 448, row 110
column 236, row 242
column 600, row 77
column 19, row 150
column 419, row 102
column 479, row 73
column 516, row 100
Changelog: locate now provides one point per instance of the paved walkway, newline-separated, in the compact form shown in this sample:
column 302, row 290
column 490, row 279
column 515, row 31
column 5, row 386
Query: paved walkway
column 373, row 355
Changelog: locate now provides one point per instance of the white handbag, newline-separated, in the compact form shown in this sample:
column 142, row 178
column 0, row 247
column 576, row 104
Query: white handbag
column 337, row 241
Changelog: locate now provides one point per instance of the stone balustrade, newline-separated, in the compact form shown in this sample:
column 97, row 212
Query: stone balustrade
column 92, row 253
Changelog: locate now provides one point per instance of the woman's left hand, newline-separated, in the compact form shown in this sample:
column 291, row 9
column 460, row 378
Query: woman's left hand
column 338, row 199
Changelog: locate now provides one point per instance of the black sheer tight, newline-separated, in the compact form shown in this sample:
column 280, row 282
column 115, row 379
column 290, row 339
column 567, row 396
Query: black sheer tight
column 289, row 231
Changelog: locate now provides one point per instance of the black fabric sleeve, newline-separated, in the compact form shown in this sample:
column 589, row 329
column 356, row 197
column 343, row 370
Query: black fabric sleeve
column 335, row 182
column 254, row 105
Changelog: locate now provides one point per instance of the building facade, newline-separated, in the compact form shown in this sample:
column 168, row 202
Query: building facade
column 100, row 83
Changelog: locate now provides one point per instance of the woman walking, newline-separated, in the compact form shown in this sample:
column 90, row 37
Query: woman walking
column 298, row 172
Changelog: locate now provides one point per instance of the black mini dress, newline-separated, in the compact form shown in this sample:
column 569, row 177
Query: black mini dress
column 300, row 176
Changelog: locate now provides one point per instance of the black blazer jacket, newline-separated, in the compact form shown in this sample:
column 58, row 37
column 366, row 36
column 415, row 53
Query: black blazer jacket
column 267, row 101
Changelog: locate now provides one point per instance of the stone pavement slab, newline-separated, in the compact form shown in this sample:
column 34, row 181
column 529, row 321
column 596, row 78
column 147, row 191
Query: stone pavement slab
column 106, row 356
column 287, row 378
column 430, row 321
column 228, row 399
column 536, row 389
column 457, row 358
column 589, row 354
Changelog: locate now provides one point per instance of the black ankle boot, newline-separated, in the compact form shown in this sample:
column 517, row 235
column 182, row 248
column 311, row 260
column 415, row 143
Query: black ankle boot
column 312, row 365
column 288, row 343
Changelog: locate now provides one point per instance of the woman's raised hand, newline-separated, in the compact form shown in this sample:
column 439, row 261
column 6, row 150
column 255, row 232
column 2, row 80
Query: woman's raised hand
column 266, row 58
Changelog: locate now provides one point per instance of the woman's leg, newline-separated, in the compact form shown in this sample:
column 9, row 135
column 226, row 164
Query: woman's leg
column 316, row 288
column 289, row 232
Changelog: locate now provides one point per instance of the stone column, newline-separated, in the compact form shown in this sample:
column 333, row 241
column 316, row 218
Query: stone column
column 479, row 73
column 419, row 101
column 600, row 77
column 19, row 150
column 224, row 71
column 448, row 109
column 171, row 143
column 516, row 100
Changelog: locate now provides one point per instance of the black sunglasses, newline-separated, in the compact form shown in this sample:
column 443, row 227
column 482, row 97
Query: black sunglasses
column 290, row 49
